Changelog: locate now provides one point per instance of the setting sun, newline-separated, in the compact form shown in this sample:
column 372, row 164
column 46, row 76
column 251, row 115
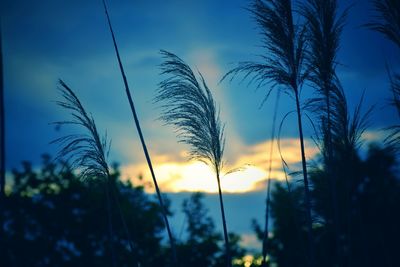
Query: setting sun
column 247, row 174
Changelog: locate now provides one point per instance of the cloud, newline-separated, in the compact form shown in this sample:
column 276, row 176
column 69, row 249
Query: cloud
column 250, row 241
column 371, row 136
column 175, row 174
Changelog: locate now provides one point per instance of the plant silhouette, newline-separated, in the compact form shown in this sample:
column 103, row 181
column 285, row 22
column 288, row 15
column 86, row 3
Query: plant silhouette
column 85, row 152
column 188, row 105
column 324, row 29
column 139, row 129
column 387, row 22
column 283, row 66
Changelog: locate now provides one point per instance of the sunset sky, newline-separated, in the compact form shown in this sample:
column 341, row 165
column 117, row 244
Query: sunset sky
column 47, row 40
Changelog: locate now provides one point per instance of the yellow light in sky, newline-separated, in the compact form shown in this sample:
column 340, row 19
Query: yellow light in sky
column 194, row 176
column 197, row 176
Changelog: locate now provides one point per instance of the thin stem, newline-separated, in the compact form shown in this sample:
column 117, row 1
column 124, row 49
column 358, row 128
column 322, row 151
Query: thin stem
column 110, row 225
column 332, row 182
column 226, row 238
column 271, row 150
column 135, row 117
column 124, row 225
column 306, row 186
column 2, row 149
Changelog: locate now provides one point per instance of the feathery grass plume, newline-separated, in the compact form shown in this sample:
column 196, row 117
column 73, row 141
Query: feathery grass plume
column 139, row 129
column 188, row 105
column 347, row 129
column 85, row 152
column 393, row 139
column 387, row 19
column 387, row 22
column 395, row 88
column 283, row 66
column 324, row 28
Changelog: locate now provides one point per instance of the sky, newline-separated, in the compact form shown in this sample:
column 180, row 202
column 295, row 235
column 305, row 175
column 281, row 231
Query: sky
column 47, row 40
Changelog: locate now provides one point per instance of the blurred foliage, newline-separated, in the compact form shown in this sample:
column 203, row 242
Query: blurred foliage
column 53, row 218
column 368, row 197
column 202, row 245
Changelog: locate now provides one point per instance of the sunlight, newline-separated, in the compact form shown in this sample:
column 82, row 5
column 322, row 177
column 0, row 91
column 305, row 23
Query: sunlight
column 197, row 176
column 183, row 176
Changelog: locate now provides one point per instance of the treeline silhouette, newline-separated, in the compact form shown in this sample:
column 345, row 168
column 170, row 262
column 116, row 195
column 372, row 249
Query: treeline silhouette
column 53, row 218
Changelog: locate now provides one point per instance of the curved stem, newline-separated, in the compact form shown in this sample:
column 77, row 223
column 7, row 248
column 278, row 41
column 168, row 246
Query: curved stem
column 307, row 199
column 271, row 150
column 110, row 225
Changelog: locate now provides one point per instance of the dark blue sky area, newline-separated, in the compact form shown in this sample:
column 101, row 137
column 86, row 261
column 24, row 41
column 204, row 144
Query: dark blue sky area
column 47, row 40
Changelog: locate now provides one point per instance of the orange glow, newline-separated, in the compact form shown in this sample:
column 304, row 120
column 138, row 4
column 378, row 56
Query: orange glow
column 195, row 176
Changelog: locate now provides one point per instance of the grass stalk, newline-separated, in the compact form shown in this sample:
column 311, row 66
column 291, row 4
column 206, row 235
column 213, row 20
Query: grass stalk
column 188, row 105
column 283, row 66
column 324, row 30
column 138, row 127
column 86, row 152
column 268, row 201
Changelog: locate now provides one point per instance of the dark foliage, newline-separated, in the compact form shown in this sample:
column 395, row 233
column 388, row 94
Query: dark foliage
column 368, row 193
column 203, row 245
column 55, row 219
column 387, row 19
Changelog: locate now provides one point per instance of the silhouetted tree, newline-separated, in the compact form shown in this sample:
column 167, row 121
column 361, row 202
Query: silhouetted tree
column 289, row 231
column 201, row 246
column 55, row 219
column 368, row 193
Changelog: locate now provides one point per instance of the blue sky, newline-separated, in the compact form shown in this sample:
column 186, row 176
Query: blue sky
column 47, row 40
